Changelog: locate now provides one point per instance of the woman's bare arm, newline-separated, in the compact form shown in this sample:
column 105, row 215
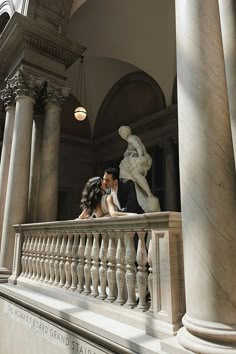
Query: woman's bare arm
column 84, row 214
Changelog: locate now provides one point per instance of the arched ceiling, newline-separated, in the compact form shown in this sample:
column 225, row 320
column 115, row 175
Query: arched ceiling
column 121, row 37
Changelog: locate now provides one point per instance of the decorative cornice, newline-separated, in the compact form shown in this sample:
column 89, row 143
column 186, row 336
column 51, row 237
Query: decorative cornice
column 21, row 33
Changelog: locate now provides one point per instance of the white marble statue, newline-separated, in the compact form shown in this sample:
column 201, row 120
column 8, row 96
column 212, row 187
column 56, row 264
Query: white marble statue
column 134, row 166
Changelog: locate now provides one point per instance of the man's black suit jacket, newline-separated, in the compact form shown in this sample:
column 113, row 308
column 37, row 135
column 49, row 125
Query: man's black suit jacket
column 127, row 197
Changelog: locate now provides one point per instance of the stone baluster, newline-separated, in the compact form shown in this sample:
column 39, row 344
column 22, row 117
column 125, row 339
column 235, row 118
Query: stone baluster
column 48, row 188
column 27, row 255
column 142, row 276
column 16, row 204
column 81, row 263
column 10, row 106
column 23, row 255
column 120, row 270
column 103, row 266
column 47, row 258
column 111, row 272
column 150, row 275
column 30, row 256
column 95, row 265
column 52, row 260
column 74, row 263
column 38, row 257
column 62, row 262
column 88, row 263
column 42, row 261
column 68, row 254
column 130, row 275
column 36, row 239
column 57, row 260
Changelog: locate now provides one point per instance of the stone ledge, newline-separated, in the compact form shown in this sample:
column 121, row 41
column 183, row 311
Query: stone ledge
column 111, row 334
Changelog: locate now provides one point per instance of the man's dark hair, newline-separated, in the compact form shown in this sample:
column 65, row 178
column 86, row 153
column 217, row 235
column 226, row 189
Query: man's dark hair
column 112, row 171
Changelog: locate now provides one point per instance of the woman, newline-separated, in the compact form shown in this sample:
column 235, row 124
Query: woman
column 95, row 203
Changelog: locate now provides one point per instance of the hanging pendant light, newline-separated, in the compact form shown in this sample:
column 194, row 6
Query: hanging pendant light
column 80, row 112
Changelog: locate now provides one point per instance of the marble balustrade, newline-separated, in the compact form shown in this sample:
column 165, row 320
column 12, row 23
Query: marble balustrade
column 134, row 261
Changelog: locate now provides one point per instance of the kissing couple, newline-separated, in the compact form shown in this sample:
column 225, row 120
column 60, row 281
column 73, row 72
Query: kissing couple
column 122, row 200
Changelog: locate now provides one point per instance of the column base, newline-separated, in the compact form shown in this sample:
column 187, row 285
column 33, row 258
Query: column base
column 203, row 346
column 4, row 274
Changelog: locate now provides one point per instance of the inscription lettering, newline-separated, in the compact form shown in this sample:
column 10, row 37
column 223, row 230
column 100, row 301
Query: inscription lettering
column 50, row 332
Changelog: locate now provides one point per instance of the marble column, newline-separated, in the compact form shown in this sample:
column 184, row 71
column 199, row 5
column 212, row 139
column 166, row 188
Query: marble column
column 9, row 102
column 48, row 189
column 207, row 180
column 18, row 181
column 35, row 167
column 170, row 173
column 228, row 29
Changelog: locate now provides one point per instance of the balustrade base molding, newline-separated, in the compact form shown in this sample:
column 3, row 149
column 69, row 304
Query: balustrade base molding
column 54, row 324
column 4, row 274
column 143, row 321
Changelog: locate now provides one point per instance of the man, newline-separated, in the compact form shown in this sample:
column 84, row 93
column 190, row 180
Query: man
column 123, row 191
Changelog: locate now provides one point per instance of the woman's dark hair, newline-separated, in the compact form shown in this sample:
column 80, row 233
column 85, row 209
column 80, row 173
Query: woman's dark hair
column 91, row 195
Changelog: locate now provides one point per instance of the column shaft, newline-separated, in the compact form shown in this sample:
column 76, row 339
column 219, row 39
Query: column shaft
column 35, row 168
column 207, row 178
column 5, row 159
column 48, row 190
column 228, row 28
column 18, row 181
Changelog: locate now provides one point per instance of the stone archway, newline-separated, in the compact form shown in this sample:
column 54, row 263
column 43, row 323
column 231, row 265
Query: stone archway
column 132, row 98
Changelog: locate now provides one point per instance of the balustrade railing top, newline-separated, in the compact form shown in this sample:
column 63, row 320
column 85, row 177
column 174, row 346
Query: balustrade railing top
column 148, row 221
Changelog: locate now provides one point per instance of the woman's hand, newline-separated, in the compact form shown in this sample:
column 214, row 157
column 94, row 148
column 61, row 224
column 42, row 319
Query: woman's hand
column 84, row 214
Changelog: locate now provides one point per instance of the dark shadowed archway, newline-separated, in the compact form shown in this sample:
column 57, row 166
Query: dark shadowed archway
column 4, row 18
column 132, row 98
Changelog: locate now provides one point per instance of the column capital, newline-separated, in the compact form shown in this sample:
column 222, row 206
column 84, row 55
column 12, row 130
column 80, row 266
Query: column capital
column 56, row 94
column 24, row 84
column 7, row 96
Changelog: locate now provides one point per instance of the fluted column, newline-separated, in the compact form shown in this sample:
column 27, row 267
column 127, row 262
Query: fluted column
column 35, row 167
column 48, row 190
column 18, row 180
column 228, row 28
column 171, row 203
column 208, row 181
column 9, row 101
